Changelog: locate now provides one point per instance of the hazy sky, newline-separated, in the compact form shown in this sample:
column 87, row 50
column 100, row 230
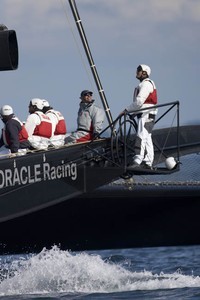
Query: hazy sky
column 122, row 34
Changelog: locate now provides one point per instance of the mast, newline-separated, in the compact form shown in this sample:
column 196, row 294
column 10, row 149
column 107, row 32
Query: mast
column 90, row 60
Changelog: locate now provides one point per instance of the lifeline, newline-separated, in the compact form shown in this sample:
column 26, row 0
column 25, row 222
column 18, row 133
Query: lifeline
column 36, row 173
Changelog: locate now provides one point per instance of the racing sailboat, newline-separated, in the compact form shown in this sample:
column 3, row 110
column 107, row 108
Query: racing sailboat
column 69, row 196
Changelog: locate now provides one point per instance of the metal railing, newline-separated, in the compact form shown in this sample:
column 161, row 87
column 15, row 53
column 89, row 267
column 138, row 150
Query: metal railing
column 125, row 127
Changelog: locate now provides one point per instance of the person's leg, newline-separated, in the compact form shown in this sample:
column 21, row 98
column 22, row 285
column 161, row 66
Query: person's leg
column 149, row 156
column 140, row 142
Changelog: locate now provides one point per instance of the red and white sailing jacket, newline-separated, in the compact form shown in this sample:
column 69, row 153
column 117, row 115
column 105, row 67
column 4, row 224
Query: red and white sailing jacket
column 145, row 95
column 58, row 122
column 44, row 129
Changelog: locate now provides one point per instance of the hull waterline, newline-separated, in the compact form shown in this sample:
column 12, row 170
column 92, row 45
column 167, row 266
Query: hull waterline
column 109, row 218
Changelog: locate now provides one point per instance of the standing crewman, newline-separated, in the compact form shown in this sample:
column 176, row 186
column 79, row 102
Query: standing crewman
column 89, row 121
column 145, row 96
column 59, row 128
column 14, row 138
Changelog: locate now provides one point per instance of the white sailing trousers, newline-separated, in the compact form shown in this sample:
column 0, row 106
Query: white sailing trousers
column 144, row 150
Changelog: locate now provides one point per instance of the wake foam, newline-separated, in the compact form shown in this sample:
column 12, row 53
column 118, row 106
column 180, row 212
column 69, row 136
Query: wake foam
column 57, row 271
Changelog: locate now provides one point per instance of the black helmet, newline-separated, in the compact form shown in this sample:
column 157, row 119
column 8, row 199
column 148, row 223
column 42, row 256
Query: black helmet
column 85, row 92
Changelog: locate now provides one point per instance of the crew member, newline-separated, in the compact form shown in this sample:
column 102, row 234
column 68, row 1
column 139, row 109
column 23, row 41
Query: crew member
column 89, row 121
column 38, row 125
column 14, row 138
column 145, row 96
column 59, row 128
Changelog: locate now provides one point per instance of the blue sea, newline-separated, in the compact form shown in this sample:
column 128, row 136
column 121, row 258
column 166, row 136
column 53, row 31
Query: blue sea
column 141, row 273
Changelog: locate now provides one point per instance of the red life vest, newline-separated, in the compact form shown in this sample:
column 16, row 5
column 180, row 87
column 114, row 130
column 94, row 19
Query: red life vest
column 23, row 134
column 61, row 125
column 44, row 129
column 152, row 98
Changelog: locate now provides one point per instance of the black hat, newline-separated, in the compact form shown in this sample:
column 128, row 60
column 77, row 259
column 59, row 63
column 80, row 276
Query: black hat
column 83, row 93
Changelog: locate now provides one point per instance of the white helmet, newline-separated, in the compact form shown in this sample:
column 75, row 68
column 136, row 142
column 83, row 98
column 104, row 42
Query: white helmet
column 6, row 110
column 45, row 103
column 146, row 69
column 38, row 103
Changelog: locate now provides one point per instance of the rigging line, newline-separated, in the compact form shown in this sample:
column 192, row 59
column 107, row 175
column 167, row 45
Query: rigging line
column 77, row 45
column 161, row 153
column 90, row 59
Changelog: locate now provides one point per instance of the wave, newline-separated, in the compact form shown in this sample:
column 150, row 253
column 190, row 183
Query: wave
column 57, row 271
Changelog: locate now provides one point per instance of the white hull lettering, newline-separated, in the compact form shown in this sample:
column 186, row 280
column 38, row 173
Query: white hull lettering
column 61, row 171
column 46, row 171
column 2, row 179
column 16, row 178
column 31, row 178
column 23, row 175
column 8, row 177
column 36, row 173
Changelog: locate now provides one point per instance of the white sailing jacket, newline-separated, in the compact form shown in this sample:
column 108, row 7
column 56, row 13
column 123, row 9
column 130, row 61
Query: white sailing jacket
column 145, row 95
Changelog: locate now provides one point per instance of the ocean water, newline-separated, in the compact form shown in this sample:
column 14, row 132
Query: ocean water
column 142, row 273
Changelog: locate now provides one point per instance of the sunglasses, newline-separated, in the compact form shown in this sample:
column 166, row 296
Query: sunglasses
column 139, row 68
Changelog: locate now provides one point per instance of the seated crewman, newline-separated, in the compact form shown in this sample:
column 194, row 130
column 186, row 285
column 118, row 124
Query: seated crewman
column 59, row 128
column 14, row 138
column 89, row 122
column 38, row 125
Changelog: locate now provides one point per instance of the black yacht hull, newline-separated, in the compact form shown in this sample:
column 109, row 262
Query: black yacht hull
column 41, row 179
column 109, row 218
column 88, row 213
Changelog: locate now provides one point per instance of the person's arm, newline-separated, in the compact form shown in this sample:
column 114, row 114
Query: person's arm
column 1, row 141
column 32, row 121
column 13, row 128
column 145, row 90
column 98, row 119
